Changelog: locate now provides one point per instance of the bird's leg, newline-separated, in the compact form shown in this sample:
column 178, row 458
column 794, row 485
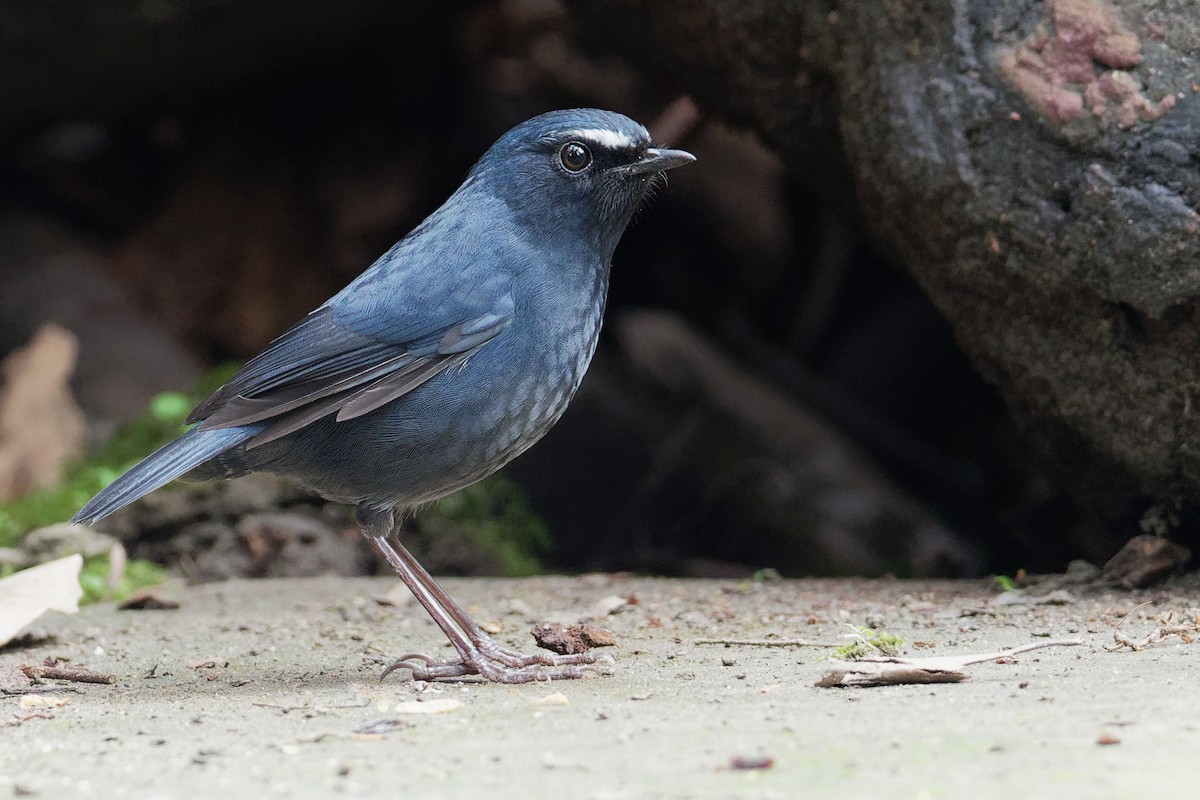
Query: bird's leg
column 486, row 644
column 479, row 654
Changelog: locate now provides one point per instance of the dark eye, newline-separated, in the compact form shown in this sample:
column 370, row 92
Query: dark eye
column 575, row 156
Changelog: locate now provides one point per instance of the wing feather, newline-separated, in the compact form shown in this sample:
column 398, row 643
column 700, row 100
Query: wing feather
column 319, row 367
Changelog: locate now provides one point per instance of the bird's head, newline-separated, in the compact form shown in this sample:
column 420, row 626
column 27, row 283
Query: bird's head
column 579, row 173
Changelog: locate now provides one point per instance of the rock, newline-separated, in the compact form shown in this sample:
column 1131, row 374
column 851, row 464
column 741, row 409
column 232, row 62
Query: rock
column 205, row 551
column 289, row 544
column 56, row 541
column 13, row 558
column 1031, row 164
column 1146, row 560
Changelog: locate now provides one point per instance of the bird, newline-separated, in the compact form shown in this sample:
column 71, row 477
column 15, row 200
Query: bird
column 448, row 357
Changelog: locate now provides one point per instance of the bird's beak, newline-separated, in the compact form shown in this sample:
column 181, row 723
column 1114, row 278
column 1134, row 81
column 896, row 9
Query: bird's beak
column 658, row 159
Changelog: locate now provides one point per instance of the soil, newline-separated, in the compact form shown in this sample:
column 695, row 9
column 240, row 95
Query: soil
column 271, row 688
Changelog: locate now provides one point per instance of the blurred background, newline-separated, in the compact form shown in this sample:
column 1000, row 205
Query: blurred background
column 181, row 180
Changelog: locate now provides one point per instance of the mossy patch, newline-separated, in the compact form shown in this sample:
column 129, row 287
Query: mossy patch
column 867, row 643
column 137, row 574
column 498, row 519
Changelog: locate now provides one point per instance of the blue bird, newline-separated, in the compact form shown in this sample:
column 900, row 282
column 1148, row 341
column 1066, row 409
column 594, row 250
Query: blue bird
column 447, row 358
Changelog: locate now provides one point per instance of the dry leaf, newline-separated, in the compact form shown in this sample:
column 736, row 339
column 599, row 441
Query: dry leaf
column 934, row 669
column 26, row 595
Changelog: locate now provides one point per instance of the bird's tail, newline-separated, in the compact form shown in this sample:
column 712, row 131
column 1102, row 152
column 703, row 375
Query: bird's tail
column 163, row 466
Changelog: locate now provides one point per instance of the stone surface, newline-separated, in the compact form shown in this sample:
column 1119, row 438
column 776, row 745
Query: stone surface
column 271, row 688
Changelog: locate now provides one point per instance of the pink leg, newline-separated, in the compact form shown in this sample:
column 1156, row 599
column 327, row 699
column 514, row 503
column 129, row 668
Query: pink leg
column 479, row 654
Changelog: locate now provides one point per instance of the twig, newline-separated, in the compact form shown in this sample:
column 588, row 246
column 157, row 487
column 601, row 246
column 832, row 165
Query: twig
column 314, row 709
column 957, row 662
column 1121, row 641
column 1165, row 630
column 1130, row 612
column 24, row 690
column 76, row 674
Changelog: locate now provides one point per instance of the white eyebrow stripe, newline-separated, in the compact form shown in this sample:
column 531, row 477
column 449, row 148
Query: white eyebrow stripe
column 603, row 137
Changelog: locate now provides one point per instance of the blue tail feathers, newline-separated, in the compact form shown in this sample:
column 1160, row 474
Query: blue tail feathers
column 164, row 465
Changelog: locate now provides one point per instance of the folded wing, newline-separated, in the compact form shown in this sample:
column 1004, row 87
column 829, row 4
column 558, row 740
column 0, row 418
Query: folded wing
column 321, row 367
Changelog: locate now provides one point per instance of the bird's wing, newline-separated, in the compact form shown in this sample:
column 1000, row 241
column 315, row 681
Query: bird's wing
column 354, row 354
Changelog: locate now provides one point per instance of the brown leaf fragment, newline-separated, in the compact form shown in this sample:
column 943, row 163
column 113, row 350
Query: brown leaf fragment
column 566, row 640
column 1107, row 739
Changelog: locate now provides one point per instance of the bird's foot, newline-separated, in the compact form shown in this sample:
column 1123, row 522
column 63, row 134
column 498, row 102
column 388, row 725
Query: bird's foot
column 500, row 665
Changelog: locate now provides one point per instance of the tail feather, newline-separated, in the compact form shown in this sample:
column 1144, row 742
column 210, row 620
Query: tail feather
column 164, row 465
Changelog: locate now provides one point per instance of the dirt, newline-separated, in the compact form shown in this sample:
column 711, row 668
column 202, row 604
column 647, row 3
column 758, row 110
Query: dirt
column 270, row 689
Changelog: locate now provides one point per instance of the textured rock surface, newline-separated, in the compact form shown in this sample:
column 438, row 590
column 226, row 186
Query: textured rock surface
column 1032, row 164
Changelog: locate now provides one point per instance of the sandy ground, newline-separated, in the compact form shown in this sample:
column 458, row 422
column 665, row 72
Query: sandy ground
column 270, row 689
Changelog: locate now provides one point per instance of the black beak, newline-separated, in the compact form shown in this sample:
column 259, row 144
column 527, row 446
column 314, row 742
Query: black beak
column 658, row 159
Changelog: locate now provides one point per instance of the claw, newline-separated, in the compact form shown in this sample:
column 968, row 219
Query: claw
column 502, row 666
column 420, row 656
column 401, row 664
column 409, row 661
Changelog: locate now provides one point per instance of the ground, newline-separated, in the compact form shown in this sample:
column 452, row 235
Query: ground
column 271, row 689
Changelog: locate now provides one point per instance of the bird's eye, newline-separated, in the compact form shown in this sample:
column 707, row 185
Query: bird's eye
column 575, row 156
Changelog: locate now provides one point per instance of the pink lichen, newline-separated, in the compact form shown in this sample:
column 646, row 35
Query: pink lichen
column 1060, row 68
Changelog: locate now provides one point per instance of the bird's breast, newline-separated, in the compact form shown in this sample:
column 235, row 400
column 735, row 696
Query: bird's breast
column 556, row 345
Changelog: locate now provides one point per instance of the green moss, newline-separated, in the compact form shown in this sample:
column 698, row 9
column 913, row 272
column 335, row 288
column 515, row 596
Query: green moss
column 138, row 574
column 498, row 519
column 162, row 422
column 866, row 643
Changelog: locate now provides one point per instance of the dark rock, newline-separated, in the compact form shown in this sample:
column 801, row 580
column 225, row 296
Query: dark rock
column 1028, row 162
